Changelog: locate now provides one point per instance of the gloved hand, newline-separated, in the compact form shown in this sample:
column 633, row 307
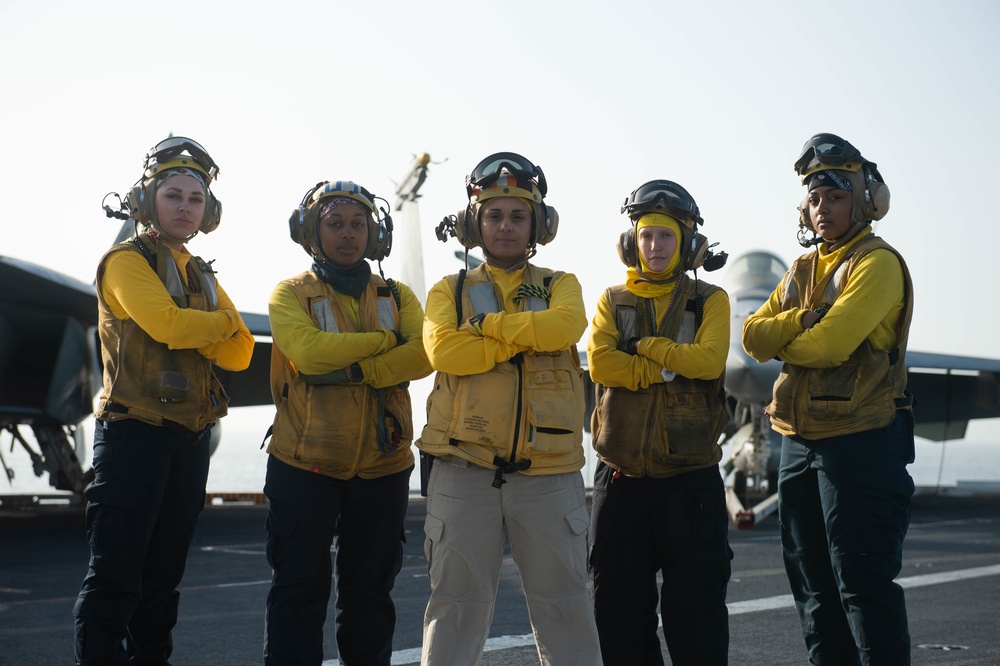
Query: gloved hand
column 354, row 373
column 631, row 346
column 400, row 340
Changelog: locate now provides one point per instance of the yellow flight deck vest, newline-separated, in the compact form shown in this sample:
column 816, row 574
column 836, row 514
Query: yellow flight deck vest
column 667, row 428
column 326, row 424
column 864, row 392
column 527, row 411
column 143, row 378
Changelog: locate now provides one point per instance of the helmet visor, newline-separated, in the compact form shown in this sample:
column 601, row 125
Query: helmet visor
column 176, row 145
column 663, row 196
column 825, row 149
column 488, row 170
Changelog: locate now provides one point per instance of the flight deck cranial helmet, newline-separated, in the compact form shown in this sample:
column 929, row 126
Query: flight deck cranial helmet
column 505, row 175
column 824, row 153
column 668, row 198
column 175, row 154
column 304, row 222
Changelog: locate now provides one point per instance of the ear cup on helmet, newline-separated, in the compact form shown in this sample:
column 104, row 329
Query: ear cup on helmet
column 694, row 251
column 877, row 200
column 213, row 214
column 296, row 226
column 379, row 238
column 627, row 250
column 545, row 230
column 141, row 200
column 803, row 209
column 467, row 228
column 880, row 199
column 302, row 223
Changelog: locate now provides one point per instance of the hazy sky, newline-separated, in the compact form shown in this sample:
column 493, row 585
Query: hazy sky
column 718, row 96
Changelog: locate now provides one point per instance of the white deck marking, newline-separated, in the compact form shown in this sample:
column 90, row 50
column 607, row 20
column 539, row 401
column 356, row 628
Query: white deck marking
column 412, row 655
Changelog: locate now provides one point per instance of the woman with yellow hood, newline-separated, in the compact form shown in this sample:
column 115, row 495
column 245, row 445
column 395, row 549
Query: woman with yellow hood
column 657, row 353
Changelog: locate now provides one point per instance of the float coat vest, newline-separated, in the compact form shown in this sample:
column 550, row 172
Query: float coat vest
column 525, row 413
column 331, row 426
column 143, row 378
column 667, row 428
column 864, row 392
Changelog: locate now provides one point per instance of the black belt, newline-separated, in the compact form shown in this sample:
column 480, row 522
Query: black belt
column 189, row 436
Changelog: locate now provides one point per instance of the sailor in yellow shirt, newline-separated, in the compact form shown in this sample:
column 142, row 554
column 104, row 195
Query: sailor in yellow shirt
column 657, row 353
column 164, row 322
column 505, row 425
column 839, row 320
column 346, row 345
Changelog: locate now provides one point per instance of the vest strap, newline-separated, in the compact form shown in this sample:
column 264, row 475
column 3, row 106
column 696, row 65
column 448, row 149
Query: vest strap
column 506, row 467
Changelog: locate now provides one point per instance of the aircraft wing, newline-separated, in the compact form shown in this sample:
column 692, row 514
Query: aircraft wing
column 950, row 390
column 33, row 286
column 46, row 359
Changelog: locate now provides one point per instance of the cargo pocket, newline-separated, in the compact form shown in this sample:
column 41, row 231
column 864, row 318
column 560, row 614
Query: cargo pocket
column 555, row 420
column 280, row 525
column 621, row 438
column 690, row 423
column 578, row 521
column 831, row 392
column 433, row 531
column 709, row 534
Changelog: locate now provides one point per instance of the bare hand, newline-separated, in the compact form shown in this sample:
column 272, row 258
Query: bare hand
column 809, row 319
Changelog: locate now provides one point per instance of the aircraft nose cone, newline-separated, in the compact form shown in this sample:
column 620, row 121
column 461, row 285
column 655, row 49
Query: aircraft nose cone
column 748, row 380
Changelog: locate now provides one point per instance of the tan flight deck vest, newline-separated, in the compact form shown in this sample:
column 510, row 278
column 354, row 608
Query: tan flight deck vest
column 325, row 425
column 667, row 428
column 527, row 409
column 143, row 378
column 864, row 392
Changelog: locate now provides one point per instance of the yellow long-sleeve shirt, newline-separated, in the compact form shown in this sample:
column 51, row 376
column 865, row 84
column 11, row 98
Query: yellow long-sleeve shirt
column 132, row 291
column 460, row 350
column 316, row 352
column 705, row 358
column 868, row 307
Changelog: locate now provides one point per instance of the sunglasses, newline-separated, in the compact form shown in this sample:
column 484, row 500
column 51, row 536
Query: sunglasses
column 175, row 146
column 490, row 169
column 828, row 149
column 663, row 195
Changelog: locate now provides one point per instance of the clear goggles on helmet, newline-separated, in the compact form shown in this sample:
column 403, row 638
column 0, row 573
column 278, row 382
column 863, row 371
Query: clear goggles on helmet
column 827, row 150
column 175, row 146
column 489, row 170
column 659, row 196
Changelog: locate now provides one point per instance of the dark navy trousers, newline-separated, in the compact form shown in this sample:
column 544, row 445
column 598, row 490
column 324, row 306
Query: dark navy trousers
column 844, row 508
column 363, row 520
column 677, row 526
column 142, row 508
